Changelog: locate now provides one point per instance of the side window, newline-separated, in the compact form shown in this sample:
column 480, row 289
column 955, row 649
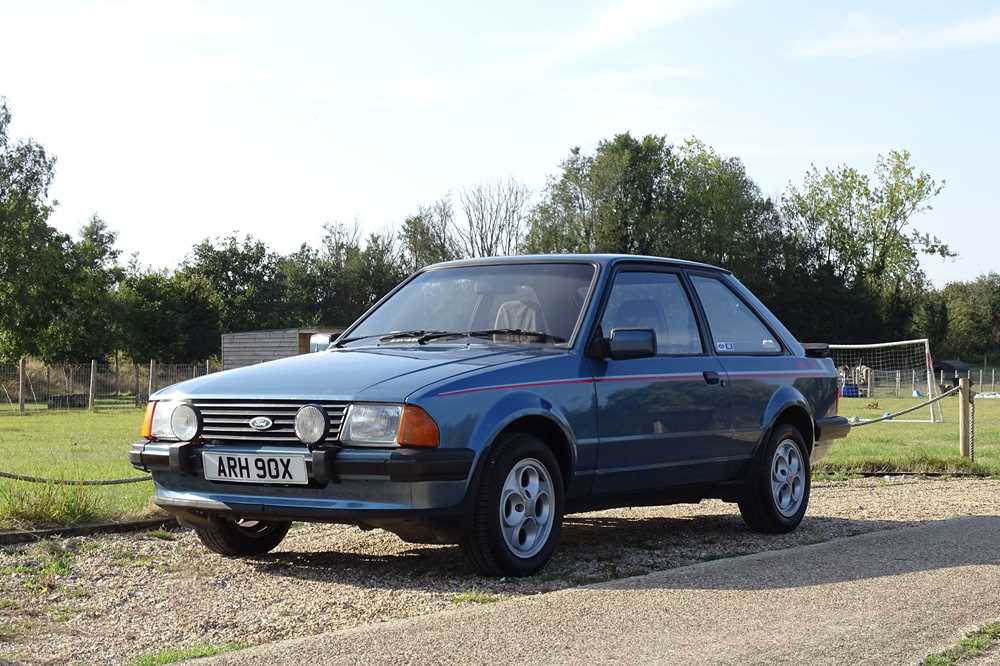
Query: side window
column 657, row 301
column 735, row 328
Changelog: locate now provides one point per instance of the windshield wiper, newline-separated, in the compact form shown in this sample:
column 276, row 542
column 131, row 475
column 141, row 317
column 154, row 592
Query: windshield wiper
column 490, row 332
column 390, row 335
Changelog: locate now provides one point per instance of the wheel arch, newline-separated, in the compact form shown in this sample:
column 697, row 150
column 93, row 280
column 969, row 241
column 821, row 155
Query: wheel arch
column 797, row 416
column 790, row 407
column 550, row 432
column 534, row 415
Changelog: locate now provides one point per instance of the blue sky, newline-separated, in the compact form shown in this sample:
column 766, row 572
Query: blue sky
column 181, row 120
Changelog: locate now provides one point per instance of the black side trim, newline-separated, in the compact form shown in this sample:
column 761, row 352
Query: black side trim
column 180, row 457
column 402, row 464
column 430, row 464
column 157, row 459
column 832, row 427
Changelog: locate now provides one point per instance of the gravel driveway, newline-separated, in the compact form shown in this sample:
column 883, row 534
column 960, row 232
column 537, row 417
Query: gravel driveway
column 108, row 599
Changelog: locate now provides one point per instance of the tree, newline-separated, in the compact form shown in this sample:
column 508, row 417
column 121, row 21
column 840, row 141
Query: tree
column 863, row 227
column 245, row 276
column 339, row 280
column 973, row 310
column 305, row 285
column 494, row 218
column 375, row 270
column 33, row 255
column 930, row 320
column 86, row 318
column 618, row 200
column 427, row 237
column 564, row 219
column 168, row 317
column 631, row 180
column 865, row 222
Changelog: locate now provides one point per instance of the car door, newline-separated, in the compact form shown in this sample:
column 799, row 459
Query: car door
column 663, row 420
column 752, row 355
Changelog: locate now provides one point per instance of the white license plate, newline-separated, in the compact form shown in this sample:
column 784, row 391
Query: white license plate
column 254, row 468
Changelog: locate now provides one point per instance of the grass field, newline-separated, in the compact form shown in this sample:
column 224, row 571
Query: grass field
column 69, row 445
column 914, row 447
column 82, row 445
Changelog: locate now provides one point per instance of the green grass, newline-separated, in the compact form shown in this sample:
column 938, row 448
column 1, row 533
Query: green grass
column 914, row 447
column 973, row 645
column 474, row 597
column 174, row 655
column 161, row 534
column 44, row 565
column 69, row 445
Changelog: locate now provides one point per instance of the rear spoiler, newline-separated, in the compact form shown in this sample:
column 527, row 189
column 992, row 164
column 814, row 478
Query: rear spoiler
column 816, row 349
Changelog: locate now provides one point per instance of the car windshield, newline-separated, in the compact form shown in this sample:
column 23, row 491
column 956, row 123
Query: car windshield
column 519, row 303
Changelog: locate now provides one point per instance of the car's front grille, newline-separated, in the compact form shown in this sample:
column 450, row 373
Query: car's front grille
column 229, row 420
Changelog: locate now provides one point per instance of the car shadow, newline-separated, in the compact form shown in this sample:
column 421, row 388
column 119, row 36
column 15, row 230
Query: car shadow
column 934, row 545
column 593, row 548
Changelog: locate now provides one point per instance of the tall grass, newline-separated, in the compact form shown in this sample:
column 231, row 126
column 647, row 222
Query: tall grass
column 24, row 505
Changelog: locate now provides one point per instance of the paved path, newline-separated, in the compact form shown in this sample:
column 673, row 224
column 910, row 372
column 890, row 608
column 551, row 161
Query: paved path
column 887, row 597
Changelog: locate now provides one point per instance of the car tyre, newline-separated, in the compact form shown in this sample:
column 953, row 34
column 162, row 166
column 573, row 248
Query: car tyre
column 777, row 492
column 518, row 508
column 242, row 538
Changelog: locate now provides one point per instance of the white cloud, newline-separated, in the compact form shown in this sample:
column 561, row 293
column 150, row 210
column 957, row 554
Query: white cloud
column 420, row 90
column 124, row 22
column 862, row 34
column 620, row 23
column 645, row 75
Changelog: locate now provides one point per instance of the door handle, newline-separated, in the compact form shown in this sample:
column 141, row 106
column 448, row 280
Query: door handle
column 711, row 377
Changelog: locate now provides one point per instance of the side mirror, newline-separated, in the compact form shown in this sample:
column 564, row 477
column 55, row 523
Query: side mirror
column 626, row 343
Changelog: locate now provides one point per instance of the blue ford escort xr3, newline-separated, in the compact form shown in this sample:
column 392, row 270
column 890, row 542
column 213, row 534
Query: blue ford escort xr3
column 481, row 400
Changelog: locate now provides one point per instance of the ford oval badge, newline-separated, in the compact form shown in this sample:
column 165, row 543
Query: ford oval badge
column 261, row 423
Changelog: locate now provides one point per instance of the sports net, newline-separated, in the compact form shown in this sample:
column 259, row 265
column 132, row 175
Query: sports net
column 891, row 372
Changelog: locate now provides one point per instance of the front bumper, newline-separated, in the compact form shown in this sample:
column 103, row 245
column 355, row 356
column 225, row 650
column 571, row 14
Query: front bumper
column 345, row 484
column 323, row 465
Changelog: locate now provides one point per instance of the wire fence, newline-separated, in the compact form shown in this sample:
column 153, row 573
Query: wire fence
column 985, row 379
column 97, row 386
column 904, row 383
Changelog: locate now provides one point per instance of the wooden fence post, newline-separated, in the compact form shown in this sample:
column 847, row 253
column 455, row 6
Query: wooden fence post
column 993, row 379
column 963, row 416
column 90, row 397
column 208, row 370
column 152, row 369
column 20, row 386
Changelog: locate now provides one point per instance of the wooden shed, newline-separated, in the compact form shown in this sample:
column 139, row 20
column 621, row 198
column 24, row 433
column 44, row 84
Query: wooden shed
column 251, row 347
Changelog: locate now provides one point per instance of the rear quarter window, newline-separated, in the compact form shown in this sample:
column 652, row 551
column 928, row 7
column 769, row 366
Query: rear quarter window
column 735, row 328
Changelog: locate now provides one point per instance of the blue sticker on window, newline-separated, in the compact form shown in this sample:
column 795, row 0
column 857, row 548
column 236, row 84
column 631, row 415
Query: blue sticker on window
column 725, row 346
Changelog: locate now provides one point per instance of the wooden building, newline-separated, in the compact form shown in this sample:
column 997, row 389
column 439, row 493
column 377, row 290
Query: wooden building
column 251, row 347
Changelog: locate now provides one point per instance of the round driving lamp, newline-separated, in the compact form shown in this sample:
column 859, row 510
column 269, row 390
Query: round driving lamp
column 185, row 422
column 311, row 424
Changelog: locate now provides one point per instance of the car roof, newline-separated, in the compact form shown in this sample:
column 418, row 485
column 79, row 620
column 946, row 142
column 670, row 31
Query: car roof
column 601, row 259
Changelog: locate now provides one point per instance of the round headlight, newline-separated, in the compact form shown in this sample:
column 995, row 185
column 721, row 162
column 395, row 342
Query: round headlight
column 311, row 424
column 184, row 422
